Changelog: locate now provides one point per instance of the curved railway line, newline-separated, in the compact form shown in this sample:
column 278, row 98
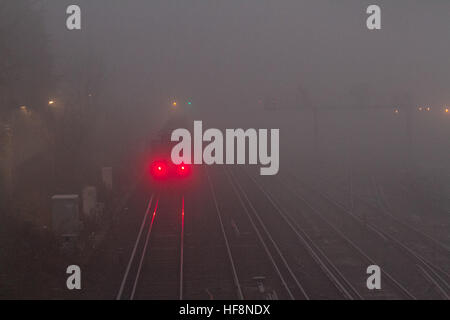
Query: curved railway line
column 247, row 239
column 424, row 278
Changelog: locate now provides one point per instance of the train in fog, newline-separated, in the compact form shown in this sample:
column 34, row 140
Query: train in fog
column 161, row 167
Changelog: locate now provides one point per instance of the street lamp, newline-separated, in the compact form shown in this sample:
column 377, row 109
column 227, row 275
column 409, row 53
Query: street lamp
column 25, row 111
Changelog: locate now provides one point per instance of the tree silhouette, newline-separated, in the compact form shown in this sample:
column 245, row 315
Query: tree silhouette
column 25, row 61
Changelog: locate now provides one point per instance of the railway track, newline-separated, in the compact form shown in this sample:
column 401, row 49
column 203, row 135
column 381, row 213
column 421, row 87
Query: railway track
column 346, row 289
column 179, row 252
column 405, row 240
column 437, row 247
column 250, row 240
column 347, row 255
column 419, row 275
column 126, row 275
column 208, row 264
column 378, row 208
column 430, row 256
column 290, row 283
column 316, row 275
column 154, row 270
column 254, row 276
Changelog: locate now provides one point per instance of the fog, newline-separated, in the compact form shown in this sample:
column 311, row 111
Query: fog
column 245, row 49
column 361, row 114
column 230, row 58
column 232, row 55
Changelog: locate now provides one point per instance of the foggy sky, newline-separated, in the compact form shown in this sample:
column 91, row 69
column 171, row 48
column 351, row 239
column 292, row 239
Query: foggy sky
column 242, row 50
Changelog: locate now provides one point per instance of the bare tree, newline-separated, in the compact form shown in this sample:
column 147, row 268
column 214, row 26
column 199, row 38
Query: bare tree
column 25, row 61
column 82, row 78
column 25, row 71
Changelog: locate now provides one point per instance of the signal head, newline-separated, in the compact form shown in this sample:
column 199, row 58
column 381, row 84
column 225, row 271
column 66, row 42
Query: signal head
column 158, row 170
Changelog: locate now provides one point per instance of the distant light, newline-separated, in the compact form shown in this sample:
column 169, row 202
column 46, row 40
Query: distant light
column 25, row 110
column 174, row 103
column 420, row 108
column 428, row 109
column 51, row 102
column 447, row 110
column 189, row 102
column 396, row 111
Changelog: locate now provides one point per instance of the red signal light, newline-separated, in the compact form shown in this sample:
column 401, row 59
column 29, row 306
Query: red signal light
column 183, row 170
column 163, row 170
column 159, row 169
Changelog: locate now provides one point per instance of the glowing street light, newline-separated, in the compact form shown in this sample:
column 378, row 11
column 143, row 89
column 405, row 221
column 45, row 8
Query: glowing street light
column 51, row 102
column 25, row 111
column 174, row 103
column 447, row 110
